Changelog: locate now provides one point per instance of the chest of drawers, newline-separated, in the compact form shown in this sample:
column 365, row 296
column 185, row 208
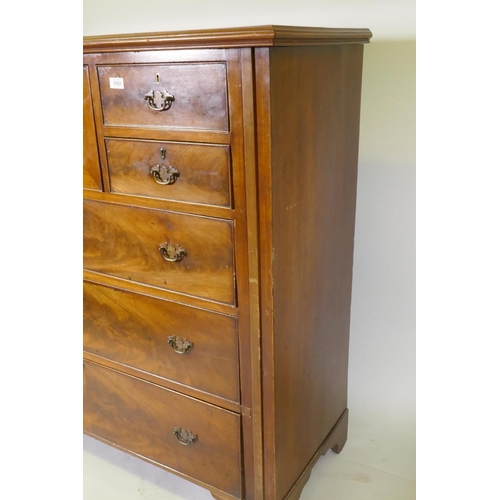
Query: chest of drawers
column 219, row 200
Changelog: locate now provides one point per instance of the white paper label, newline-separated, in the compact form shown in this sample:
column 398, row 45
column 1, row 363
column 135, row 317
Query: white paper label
column 116, row 83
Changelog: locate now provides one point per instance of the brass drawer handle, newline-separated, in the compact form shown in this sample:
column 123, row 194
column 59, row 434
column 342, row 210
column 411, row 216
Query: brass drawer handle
column 184, row 436
column 180, row 346
column 171, row 252
column 159, row 100
column 164, row 175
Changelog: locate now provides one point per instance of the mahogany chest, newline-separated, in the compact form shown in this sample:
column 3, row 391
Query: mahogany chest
column 219, row 202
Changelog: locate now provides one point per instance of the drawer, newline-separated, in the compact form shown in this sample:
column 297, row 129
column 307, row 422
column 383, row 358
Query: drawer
column 180, row 343
column 193, row 173
column 91, row 165
column 144, row 419
column 134, row 244
column 176, row 95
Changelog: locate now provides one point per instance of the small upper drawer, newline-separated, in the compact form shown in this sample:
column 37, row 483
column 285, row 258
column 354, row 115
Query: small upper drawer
column 196, row 173
column 175, row 95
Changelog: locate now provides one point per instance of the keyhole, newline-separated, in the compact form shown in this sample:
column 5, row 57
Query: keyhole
column 162, row 151
column 157, row 77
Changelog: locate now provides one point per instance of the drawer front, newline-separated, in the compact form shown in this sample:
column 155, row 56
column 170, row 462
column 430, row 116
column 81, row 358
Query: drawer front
column 176, row 95
column 125, row 242
column 180, row 343
column 91, row 165
column 182, row 172
column 142, row 417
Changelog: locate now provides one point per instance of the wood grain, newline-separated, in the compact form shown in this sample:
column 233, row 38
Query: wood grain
column 252, row 36
column 243, row 146
column 187, row 390
column 161, row 293
column 199, row 90
column 141, row 417
column 203, row 170
column 268, row 119
column 134, row 330
column 265, row 229
column 168, row 134
column 160, row 204
column 335, row 441
column 313, row 212
column 91, row 166
column 124, row 242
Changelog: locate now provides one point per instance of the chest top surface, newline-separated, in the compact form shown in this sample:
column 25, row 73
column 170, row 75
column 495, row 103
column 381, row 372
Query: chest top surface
column 252, row 36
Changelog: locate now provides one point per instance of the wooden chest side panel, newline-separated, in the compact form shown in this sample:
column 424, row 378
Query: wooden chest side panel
column 315, row 100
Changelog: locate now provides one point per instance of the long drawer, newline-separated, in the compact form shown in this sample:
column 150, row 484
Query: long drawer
column 178, row 432
column 183, row 253
column 176, row 342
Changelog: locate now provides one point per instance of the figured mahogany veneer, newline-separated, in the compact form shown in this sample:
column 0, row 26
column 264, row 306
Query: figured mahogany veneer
column 91, row 168
column 220, row 170
column 198, row 96
column 136, row 331
column 142, row 418
column 124, row 242
column 202, row 170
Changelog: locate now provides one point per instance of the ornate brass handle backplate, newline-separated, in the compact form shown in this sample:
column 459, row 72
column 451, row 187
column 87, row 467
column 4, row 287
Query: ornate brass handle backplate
column 180, row 346
column 164, row 175
column 171, row 252
column 184, row 436
column 159, row 100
